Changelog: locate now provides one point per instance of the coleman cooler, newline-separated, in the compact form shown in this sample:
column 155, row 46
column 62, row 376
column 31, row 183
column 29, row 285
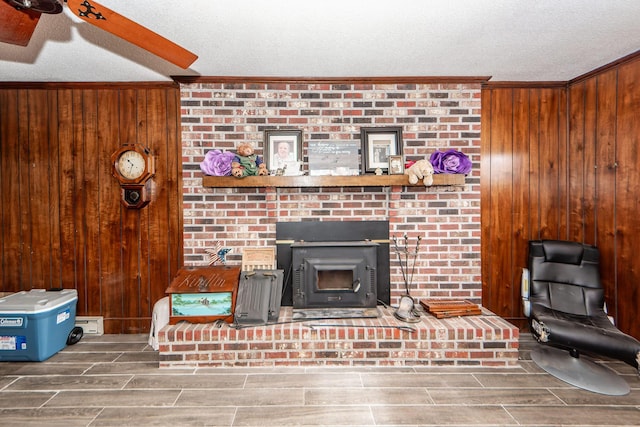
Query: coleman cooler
column 37, row 324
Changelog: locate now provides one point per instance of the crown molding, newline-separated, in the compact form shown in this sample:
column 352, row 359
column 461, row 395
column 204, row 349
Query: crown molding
column 87, row 85
column 333, row 80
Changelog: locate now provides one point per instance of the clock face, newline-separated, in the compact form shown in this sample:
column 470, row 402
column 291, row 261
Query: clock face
column 131, row 164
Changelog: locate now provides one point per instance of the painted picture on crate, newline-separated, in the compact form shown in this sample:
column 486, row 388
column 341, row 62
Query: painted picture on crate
column 201, row 304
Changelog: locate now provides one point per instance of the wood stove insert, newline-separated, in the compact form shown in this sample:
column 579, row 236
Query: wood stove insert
column 289, row 233
column 334, row 279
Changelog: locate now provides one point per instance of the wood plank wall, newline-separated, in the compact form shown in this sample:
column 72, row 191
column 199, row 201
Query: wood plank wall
column 62, row 222
column 562, row 162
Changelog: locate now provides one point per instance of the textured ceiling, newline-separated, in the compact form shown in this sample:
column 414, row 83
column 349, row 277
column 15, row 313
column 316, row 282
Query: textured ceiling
column 543, row 40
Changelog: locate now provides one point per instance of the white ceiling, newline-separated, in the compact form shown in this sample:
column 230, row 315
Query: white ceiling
column 516, row 40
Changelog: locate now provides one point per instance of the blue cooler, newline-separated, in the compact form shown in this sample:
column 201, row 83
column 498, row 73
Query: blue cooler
column 35, row 325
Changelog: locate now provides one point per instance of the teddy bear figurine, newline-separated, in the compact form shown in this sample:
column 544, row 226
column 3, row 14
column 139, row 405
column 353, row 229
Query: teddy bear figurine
column 422, row 169
column 247, row 163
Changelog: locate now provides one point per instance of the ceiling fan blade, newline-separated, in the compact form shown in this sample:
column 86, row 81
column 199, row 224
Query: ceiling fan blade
column 43, row 6
column 114, row 23
column 17, row 26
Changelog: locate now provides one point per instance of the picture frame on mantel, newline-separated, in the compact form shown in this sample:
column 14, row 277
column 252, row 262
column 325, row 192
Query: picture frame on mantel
column 396, row 166
column 377, row 145
column 333, row 158
column 283, row 149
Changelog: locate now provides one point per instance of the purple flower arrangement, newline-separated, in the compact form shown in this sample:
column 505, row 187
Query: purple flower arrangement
column 450, row 161
column 217, row 163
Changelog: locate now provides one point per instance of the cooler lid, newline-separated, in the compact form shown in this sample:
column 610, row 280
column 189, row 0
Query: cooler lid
column 36, row 300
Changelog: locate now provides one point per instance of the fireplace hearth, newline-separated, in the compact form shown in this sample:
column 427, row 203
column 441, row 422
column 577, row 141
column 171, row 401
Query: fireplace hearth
column 334, row 279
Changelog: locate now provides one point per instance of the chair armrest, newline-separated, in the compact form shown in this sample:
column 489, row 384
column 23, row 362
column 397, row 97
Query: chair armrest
column 525, row 292
column 611, row 319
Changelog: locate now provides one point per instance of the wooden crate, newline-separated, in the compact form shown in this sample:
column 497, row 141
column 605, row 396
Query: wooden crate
column 450, row 308
column 203, row 294
column 258, row 259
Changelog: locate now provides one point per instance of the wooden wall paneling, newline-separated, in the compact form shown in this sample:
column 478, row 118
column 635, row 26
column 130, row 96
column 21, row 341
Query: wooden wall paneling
column 132, row 129
column 146, row 122
column 486, row 262
column 173, row 158
column 37, row 189
column 524, row 186
column 563, row 162
column 605, row 219
column 148, row 110
column 10, row 191
column 110, row 237
column 129, row 275
column 162, row 144
column 497, row 225
column 577, row 156
column 535, row 167
column 62, row 221
column 521, row 195
column 66, row 197
column 23, row 199
column 98, row 295
column 54, row 192
column 583, row 179
column 88, row 299
column 162, row 141
column 589, row 160
column 550, row 151
column 174, row 244
column 627, row 192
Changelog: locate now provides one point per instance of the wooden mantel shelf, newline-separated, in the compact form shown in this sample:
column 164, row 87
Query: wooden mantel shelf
column 326, row 181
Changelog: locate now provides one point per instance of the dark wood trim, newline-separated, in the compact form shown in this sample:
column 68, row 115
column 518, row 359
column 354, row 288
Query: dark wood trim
column 515, row 84
column 88, row 85
column 332, row 80
column 631, row 57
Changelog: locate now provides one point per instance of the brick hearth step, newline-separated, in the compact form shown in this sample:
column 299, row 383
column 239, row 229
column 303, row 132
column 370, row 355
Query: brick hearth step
column 482, row 340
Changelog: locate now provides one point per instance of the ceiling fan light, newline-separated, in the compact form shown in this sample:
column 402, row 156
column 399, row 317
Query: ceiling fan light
column 42, row 6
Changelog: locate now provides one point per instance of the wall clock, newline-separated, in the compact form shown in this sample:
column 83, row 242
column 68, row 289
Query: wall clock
column 133, row 167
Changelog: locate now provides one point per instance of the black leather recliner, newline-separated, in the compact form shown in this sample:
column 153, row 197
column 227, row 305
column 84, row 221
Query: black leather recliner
column 564, row 300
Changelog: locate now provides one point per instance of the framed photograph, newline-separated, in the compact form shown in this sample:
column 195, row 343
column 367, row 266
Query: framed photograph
column 282, row 148
column 396, row 166
column 333, row 157
column 377, row 145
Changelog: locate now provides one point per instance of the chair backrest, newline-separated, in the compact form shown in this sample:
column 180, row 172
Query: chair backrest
column 565, row 276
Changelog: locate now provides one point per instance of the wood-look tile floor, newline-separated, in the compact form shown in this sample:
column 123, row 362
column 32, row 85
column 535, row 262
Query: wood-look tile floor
column 114, row 380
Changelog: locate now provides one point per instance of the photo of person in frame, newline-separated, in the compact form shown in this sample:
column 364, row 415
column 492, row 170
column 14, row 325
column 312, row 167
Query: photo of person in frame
column 282, row 153
column 381, row 152
column 395, row 165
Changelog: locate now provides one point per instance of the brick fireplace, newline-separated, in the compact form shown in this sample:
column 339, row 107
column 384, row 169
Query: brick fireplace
column 433, row 116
